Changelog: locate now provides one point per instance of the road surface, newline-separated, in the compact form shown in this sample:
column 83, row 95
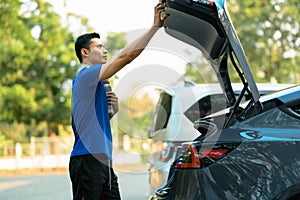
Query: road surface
column 133, row 186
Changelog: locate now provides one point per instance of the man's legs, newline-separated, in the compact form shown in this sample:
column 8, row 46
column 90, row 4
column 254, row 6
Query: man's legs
column 111, row 191
column 92, row 178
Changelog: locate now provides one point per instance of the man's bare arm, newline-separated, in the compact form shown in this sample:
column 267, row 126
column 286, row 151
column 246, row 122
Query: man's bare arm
column 134, row 49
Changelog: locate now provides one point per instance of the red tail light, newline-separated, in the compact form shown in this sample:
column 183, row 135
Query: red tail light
column 191, row 157
column 213, row 153
column 211, row 3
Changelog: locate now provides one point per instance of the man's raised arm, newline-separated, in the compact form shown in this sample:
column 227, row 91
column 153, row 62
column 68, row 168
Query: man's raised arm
column 134, row 49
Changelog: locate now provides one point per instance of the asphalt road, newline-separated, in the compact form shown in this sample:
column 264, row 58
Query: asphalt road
column 133, row 186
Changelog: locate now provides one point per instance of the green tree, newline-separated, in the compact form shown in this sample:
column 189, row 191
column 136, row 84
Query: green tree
column 269, row 33
column 17, row 103
column 114, row 42
column 200, row 71
column 37, row 64
column 134, row 117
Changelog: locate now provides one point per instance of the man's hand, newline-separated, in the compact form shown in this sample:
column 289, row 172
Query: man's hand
column 159, row 15
column 113, row 100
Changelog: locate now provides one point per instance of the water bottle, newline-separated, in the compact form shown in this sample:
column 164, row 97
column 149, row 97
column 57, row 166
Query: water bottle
column 107, row 87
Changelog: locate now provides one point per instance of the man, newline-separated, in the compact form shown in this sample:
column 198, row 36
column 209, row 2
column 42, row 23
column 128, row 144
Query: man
column 90, row 164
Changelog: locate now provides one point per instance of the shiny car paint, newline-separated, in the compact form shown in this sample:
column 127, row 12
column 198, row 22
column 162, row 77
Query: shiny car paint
column 264, row 132
column 265, row 164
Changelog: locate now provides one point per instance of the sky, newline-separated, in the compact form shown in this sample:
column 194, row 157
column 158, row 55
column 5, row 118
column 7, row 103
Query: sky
column 157, row 66
column 111, row 16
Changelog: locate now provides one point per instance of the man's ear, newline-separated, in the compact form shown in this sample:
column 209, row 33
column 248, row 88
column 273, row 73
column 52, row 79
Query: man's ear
column 84, row 52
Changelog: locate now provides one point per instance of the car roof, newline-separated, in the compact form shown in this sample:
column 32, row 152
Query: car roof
column 286, row 96
column 195, row 92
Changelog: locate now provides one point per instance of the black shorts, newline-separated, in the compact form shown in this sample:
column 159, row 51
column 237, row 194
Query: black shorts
column 93, row 178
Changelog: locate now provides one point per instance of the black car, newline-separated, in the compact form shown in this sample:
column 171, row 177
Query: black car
column 250, row 150
column 182, row 112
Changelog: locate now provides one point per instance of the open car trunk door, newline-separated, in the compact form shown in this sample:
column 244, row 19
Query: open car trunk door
column 206, row 25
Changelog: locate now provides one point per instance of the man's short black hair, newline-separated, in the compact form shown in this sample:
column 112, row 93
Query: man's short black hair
column 84, row 41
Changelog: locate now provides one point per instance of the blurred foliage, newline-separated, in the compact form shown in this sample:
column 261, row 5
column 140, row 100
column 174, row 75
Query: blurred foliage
column 269, row 33
column 37, row 64
column 114, row 42
column 134, row 115
column 200, row 71
column 9, row 130
column 4, row 141
column 133, row 119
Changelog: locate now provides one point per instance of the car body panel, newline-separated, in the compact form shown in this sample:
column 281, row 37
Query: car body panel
column 166, row 141
column 264, row 163
column 230, row 178
column 179, row 128
column 269, row 150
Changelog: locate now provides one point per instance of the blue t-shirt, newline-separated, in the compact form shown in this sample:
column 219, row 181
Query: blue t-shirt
column 90, row 119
